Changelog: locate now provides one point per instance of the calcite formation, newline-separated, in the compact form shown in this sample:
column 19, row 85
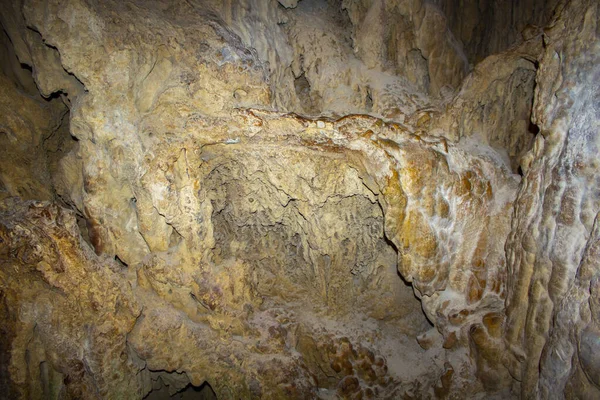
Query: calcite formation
column 299, row 199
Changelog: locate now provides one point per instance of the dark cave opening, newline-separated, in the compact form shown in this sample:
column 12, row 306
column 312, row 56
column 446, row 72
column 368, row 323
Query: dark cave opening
column 190, row 392
column 307, row 98
column 369, row 100
column 533, row 128
column 335, row 252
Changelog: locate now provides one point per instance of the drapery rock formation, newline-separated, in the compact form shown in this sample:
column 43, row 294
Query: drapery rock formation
column 299, row 199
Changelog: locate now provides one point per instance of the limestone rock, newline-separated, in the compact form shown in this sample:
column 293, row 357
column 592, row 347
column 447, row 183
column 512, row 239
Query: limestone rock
column 410, row 37
column 298, row 200
column 494, row 103
column 26, row 123
column 552, row 249
column 67, row 311
column 488, row 27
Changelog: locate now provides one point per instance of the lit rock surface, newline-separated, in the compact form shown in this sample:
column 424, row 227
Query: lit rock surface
column 296, row 199
column 552, row 251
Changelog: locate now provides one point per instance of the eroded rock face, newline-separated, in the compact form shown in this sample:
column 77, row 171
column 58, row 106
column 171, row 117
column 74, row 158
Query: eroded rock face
column 488, row 27
column 494, row 104
column 296, row 200
column 66, row 311
column 408, row 36
column 28, row 130
column 553, row 246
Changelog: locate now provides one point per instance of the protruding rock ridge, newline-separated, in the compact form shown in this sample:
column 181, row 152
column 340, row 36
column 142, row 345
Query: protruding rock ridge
column 493, row 105
column 553, row 246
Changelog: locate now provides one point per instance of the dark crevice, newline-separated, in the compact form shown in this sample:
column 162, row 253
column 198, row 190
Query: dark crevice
column 369, row 100
column 533, row 128
column 307, row 99
column 56, row 95
column 121, row 262
column 11, row 67
column 83, row 229
column 61, row 127
column 60, row 93
column 169, row 385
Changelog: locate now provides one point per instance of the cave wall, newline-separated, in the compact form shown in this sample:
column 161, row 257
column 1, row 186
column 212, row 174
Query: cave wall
column 488, row 27
column 298, row 200
column 552, row 250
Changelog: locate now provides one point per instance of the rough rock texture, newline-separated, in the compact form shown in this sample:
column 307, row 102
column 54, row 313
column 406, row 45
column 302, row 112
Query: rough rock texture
column 68, row 313
column 297, row 199
column 488, row 27
column 32, row 131
column 409, row 37
column 494, row 104
column 552, row 308
column 25, row 124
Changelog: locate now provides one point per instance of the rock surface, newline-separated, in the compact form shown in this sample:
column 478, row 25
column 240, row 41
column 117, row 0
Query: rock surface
column 298, row 199
column 552, row 250
column 488, row 27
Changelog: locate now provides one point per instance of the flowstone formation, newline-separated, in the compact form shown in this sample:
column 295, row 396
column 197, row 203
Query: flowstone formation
column 299, row 199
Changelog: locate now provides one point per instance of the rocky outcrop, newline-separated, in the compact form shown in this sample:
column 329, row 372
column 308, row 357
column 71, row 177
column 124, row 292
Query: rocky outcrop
column 252, row 228
column 65, row 313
